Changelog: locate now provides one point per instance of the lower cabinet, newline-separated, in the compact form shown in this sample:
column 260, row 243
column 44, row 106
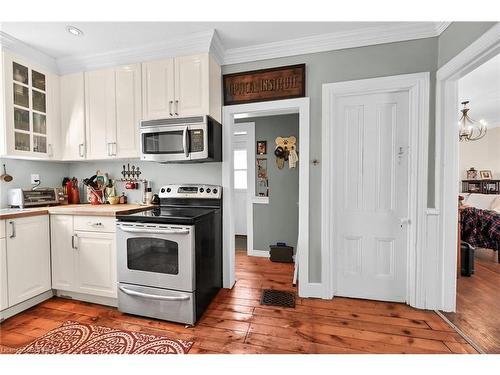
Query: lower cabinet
column 83, row 261
column 4, row 302
column 28, row 258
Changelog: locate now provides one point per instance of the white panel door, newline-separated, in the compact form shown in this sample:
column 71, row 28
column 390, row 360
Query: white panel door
column 96, row 263
column 191, row 85
column 100, row 113
column 158, row 89
column 28, row 258
column 62, row 252
column 371, row 168
column 4, row 301
column 128, row 111
column 72, row 92
column 240, row 158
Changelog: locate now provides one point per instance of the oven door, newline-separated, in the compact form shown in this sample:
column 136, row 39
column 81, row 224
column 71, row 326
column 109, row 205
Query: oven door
column 174, row 143
column 156, row 255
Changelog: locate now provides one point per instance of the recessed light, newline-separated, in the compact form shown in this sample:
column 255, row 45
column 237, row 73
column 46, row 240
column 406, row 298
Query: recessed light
column 74, row 30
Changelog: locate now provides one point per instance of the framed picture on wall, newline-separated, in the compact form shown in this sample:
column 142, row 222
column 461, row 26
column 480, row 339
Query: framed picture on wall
column 485, row 175
column 261, row 147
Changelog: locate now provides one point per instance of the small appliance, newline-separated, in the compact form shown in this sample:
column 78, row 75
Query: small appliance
column 20, row 198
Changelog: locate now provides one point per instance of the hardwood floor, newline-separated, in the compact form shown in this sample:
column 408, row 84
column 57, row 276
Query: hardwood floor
column 236, row 323
column 478, row 302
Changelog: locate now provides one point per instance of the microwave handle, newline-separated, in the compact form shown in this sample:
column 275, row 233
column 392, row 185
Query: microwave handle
column 152, row 296
column 155, row 231
column 185, row 142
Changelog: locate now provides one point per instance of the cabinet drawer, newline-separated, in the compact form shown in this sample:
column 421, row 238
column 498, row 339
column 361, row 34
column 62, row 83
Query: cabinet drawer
column 2, row 228
column 94, row 223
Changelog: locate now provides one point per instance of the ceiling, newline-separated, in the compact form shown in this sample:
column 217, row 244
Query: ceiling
column 100, row 37
column 482, row 88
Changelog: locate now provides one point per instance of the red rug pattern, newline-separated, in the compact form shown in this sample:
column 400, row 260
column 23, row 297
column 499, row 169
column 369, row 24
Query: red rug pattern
column 78, row 338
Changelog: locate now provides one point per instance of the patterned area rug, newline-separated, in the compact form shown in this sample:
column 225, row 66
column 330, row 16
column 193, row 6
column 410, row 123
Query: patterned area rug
column 78, row 338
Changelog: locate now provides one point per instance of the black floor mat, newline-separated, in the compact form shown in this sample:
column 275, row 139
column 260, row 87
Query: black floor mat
column 280, row 298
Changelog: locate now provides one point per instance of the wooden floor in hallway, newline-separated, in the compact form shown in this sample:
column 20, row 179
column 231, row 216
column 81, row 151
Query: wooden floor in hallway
column 478, row 302
column 237, row 323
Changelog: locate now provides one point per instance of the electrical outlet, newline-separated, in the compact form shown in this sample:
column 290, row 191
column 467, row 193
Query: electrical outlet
column 35, row 178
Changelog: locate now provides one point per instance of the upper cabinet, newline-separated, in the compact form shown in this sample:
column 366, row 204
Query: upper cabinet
column 30, row 124
column 72, row 95
column 113, row 112
column 182, row 86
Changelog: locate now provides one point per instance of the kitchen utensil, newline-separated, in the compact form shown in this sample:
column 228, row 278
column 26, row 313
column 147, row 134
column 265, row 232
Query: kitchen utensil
column 133, row 171
column 6, row 177
column 124, row 171
column 137, row 172
column 114, row 200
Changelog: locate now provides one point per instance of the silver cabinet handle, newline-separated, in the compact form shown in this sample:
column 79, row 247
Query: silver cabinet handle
column 110, row 153
column 81, row 150
column 170, row 107
column 13, row 223
column 51, row 150
column 73, row 242
column 176, row 108
column 97, row 224
column 155, row 231
column 152, row 296
column 115, row 149
column 185, row 141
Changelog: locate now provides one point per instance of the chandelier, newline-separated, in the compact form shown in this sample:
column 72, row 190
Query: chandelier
column 470, row 130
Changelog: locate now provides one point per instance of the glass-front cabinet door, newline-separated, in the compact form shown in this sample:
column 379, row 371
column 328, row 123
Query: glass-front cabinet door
column 27, row 120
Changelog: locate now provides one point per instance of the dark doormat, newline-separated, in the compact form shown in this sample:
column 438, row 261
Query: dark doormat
column 280, row 298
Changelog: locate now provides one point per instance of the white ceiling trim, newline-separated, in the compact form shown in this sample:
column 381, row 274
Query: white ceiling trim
column 441, row 26
column 185, row 45
column 18, row 47
column 334, row 41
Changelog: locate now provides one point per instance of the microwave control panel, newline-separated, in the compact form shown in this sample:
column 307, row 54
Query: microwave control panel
column 196, row 140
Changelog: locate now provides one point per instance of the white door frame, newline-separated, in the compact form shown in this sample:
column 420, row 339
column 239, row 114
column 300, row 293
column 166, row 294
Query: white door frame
column 277, row 107
column 250, row 136
column 447, row 157
column 417, row 86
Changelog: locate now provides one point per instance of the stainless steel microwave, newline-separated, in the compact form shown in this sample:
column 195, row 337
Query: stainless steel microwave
column 182, row 139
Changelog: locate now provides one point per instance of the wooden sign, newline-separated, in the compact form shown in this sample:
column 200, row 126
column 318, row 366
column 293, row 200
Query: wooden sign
column 266, row 84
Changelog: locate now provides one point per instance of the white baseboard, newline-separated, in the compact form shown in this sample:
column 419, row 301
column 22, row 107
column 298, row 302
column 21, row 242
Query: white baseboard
column 312, row 290
column 259, row 253
column 107, row 301
column 20, row 307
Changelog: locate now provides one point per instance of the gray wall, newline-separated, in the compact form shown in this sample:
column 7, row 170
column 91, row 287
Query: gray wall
column 457, row 37
column 160, row 174
column 51, row 174
column 277, row 221
column 343, row 65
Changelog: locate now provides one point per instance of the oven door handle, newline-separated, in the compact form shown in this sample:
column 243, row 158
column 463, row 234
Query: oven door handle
column 152, row 296
column 155, row 231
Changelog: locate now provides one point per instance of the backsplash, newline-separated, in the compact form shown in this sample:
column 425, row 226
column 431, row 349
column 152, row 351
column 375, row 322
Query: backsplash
column 52, row 173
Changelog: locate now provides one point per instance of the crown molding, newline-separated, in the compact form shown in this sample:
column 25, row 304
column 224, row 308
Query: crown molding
column 441, row 26
column 185, row 45
column 18, row 47
column 217, row 48
column 335, row 41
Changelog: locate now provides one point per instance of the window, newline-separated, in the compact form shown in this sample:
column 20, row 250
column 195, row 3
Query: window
column 240, row 169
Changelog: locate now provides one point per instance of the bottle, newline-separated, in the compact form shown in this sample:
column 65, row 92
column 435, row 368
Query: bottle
column 149, row 196
column 123, row 199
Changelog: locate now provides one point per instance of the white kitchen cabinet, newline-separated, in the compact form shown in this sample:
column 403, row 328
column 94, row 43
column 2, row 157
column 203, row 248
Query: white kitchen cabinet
column 96, row 263
column 72, row 99
column 62, row 251
column 84, row 255
column 28, row 258
column 113, row 112
column 4, row 301
column 180, row 87
column 128, row 111
column 158, row 89
column 30, row 120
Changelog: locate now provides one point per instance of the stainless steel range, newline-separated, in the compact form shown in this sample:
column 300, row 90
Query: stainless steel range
column 170, row 257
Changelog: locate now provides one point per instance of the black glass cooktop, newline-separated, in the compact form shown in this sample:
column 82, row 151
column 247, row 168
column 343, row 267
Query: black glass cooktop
column 169, row 215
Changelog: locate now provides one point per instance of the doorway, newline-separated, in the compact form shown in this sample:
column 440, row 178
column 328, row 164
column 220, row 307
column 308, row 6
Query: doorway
column 238, row 113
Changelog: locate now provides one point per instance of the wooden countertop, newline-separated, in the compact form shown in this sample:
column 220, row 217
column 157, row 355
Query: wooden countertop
column 76, row 209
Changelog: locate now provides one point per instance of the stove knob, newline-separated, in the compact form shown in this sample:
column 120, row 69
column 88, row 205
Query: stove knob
column 169, row 190
column 162, row 190
column 202, row 190
column 208, row 190
column 215, row 191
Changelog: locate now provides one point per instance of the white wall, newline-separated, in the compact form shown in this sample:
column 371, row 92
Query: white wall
column 482, row 154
